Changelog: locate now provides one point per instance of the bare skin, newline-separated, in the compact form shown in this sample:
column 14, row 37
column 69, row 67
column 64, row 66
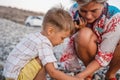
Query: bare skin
column 41, row 74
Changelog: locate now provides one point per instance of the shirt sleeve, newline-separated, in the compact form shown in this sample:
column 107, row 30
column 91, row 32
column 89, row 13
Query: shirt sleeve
column 109, row 42
column 73, row 10
column 46, row 54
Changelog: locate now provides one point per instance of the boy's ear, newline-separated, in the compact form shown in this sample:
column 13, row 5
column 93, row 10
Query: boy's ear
column 50, row 30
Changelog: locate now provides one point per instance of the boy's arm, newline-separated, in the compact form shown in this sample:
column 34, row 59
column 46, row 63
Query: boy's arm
column 58, row 75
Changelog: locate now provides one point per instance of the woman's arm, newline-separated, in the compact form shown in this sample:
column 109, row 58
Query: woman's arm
column 91, row 68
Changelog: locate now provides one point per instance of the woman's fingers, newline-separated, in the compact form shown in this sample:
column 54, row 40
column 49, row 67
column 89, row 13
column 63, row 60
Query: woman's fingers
column 80, row 23
column 76, row 25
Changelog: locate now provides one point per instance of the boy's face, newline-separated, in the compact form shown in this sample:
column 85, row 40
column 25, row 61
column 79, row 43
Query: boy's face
column 58, row 37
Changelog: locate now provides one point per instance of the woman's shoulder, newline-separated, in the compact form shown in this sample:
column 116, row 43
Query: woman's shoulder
column 74, row 7
column 113, row 10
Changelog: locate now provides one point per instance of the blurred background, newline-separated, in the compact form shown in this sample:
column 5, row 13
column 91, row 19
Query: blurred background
column 43, row 5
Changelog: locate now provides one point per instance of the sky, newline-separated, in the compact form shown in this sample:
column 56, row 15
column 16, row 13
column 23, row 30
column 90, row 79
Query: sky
column 43, row 5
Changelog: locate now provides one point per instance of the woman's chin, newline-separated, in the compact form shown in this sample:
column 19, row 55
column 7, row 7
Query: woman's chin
column 90, row 21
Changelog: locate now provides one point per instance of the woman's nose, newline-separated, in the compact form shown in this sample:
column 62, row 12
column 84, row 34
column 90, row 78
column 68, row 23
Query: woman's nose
column 88, row 15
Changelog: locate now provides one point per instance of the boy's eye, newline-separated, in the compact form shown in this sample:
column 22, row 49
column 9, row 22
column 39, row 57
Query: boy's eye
column 93, row 11
column 62, row 38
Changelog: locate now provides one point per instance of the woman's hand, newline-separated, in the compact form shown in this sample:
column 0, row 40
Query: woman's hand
column 82, row 23
column 78, row 24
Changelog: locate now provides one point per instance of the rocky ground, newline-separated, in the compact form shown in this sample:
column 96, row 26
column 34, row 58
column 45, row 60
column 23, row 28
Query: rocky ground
column 12, row 33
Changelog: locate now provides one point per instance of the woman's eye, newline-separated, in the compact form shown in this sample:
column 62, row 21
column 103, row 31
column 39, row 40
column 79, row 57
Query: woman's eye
column 83, row 11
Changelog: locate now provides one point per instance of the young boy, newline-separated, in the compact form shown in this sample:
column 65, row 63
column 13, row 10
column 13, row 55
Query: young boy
column 34, row 53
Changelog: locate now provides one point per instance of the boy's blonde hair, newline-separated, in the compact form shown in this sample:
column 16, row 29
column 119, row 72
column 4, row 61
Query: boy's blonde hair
column 58, row 18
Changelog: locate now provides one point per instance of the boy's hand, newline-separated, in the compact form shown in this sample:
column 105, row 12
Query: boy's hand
column 80, row 77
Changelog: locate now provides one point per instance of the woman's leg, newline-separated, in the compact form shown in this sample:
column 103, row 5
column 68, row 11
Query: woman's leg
column 85, row 45
column 114, row 64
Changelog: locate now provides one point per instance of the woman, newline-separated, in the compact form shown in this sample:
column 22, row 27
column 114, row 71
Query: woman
column 97, row 44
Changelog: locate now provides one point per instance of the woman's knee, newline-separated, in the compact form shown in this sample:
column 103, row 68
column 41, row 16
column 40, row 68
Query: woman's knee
column 84, row 36
column 86, row 40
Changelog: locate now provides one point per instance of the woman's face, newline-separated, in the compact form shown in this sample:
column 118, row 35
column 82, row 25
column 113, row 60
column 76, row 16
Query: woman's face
column 91, row 11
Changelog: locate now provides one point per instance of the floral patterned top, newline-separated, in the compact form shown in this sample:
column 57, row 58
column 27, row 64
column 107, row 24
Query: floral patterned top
column 107, row 29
